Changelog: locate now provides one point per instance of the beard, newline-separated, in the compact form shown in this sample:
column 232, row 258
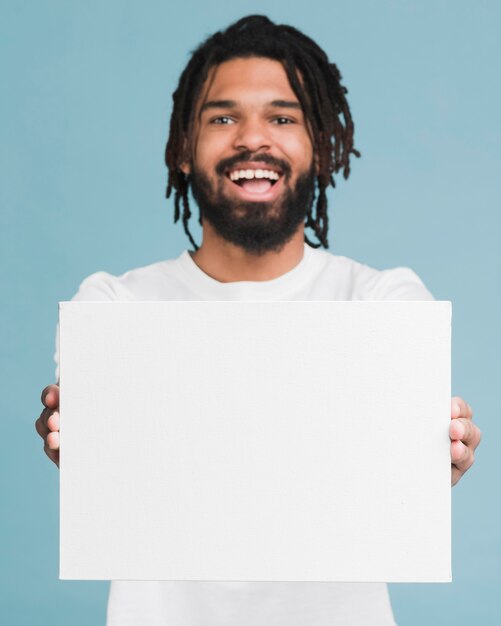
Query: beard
column 257, row 227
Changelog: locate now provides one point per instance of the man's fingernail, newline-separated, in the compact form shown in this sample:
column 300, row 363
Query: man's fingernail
column 457, row 408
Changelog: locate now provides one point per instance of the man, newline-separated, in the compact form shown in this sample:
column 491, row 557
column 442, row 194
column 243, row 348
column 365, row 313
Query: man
column 259, row 127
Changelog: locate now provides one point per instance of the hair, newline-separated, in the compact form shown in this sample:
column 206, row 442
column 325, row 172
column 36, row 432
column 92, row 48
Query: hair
column 321, row 95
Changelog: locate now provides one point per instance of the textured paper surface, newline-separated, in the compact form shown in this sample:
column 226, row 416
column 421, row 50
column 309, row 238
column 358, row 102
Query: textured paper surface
column 255, row 441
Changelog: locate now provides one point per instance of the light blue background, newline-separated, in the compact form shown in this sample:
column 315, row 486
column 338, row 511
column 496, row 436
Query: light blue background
column 86, row 96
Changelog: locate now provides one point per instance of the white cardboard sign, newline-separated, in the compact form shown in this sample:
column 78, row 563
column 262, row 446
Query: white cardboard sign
column 255, row 441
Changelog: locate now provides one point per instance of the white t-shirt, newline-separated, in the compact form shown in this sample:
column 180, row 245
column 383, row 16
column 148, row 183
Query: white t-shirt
column 319, row 276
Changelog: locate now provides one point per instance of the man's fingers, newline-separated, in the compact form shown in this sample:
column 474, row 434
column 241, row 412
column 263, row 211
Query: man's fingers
column 41, row 423
column 47, row 425
column 48, row 421
column 460, row 408
column 41, row 428
column 465, row 437
column 461, row 456
column 53, row 421
column 50, row 397
column 462, row 429
column 52, row 441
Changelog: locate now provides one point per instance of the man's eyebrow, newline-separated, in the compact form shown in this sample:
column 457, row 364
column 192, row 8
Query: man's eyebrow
column 218, row 104
column 286, row 104
column 231, row 104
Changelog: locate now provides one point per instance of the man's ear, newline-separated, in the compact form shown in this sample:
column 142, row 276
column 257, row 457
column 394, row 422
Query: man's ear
column 185, row 168
column 185, row 165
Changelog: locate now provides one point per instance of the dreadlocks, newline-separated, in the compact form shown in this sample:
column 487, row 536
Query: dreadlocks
column 322, row 97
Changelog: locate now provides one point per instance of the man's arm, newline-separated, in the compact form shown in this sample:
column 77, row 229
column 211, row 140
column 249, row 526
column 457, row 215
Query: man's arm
column 465, row 437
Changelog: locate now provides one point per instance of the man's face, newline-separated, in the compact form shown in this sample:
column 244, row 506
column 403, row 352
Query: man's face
column 252, row 171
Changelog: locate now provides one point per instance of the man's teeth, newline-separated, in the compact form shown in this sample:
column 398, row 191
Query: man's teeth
column 250, row 174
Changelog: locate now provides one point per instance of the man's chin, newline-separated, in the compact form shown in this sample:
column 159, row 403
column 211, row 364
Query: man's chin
column 253, row 232
column 247, row 209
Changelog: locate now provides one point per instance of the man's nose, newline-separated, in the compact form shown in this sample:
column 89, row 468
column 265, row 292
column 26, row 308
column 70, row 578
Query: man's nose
column 253, row 134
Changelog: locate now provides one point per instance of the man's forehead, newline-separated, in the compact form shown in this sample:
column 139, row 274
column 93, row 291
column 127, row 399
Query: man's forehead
column 254, row 79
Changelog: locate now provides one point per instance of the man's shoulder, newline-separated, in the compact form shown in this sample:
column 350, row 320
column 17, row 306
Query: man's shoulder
column 360, row 281
column 140, row 283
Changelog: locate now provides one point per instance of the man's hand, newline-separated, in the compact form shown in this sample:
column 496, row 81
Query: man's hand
column 465, row 437
column 47, row 424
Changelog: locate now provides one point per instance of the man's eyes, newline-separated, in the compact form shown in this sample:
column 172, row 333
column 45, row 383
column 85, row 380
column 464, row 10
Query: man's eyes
column 225, row 120
column 283, row 120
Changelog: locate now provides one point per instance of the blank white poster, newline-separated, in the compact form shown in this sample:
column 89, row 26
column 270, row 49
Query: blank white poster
column 255, row 441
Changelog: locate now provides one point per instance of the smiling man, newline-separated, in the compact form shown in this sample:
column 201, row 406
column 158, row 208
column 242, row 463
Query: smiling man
column 252, row 172
column 259, row 128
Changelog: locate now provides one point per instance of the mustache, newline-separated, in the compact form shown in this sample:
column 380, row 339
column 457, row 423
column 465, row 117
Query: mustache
column 247, row 157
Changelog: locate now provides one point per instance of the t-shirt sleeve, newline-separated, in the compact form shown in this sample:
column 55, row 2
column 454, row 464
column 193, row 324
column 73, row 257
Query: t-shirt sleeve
column 98, row 287
column 400, row 283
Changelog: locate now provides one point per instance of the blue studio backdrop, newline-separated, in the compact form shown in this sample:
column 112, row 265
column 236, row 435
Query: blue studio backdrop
column 86, row 99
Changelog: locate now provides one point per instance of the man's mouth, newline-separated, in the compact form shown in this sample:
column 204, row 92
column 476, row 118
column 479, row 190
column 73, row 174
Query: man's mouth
column 256, row 181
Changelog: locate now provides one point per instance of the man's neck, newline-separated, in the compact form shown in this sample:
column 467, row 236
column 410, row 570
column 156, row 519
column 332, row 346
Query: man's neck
column 228, row 263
